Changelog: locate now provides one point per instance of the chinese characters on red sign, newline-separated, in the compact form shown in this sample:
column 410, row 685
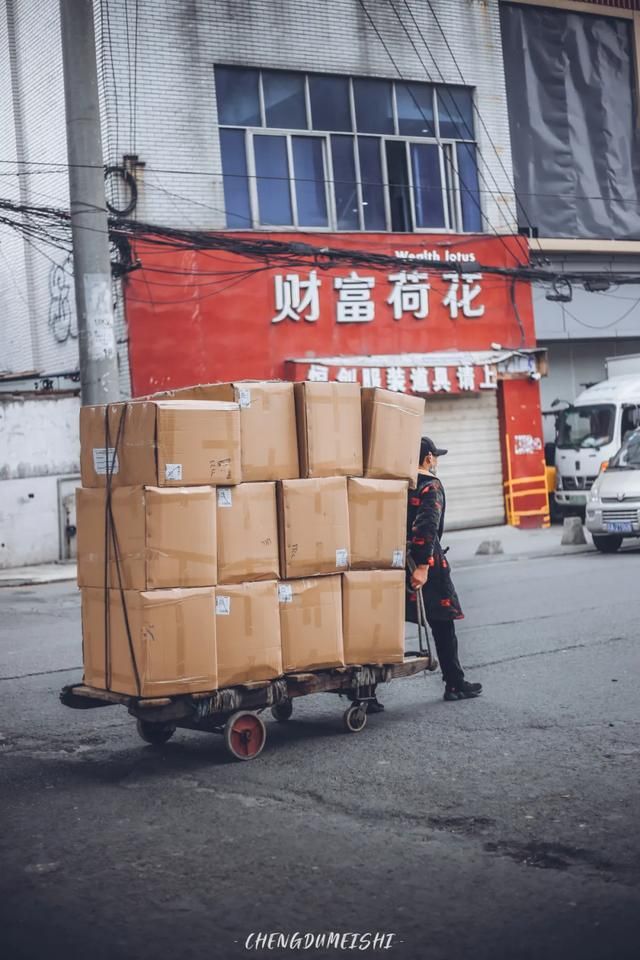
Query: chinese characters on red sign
column 298, row 298
column 463, row 378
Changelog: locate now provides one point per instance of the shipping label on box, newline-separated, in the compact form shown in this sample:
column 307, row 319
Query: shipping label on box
column 313, row 519
column 377, row 523
column 311, row 624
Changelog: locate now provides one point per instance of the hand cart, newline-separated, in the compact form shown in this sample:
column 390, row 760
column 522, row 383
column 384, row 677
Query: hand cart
column 235, row 712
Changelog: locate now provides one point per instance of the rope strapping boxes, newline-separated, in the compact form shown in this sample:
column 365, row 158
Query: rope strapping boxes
column 229, row 533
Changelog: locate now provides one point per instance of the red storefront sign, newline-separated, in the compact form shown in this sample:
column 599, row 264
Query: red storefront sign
column 402, row 374
column 205, row 316
column 198, row 316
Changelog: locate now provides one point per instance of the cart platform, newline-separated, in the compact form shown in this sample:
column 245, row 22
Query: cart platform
column 235, row 712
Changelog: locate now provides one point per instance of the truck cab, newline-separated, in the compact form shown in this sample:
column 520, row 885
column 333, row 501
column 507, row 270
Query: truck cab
column 589, row 432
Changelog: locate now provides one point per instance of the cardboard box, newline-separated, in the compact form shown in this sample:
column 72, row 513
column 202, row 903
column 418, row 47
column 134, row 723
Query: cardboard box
column 173, row 637
column 247, row 533
column 160, row 443
column 248, row 633
column 329, row 420
column 377, row 523
column 391, row 428
column 267, row 421
column 311, row 624
column 166, row 537
column 313, row 524
column 373, row 606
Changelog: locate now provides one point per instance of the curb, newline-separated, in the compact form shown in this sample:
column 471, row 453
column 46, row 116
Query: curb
column 36, row 580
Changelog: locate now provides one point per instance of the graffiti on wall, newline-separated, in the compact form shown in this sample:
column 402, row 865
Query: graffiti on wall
column 62, row 316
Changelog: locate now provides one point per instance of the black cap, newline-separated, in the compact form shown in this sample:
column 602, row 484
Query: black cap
column 428, row 446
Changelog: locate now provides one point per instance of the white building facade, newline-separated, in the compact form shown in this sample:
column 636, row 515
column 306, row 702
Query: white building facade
column 169, row 73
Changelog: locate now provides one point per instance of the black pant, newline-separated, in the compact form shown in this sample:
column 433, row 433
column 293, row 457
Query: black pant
column 444, row 635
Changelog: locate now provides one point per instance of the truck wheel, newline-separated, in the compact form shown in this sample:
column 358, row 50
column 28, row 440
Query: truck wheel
column 607, row 544
column 155, row 733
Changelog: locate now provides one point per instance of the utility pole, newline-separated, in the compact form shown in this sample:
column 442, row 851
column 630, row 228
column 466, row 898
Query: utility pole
column 91, row 261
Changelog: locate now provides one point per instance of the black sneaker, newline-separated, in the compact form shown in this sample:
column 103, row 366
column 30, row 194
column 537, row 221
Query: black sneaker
column 464, row 691
column 374, row 706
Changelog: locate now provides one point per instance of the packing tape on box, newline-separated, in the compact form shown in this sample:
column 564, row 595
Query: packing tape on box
column 363, row 498
column 312, row 616
column 247, row 617
column 334, row 400
column 381, row 402
column 232, row 440
column 180, row 641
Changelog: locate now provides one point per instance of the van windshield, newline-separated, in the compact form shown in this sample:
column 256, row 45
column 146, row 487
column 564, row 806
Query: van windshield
column 588, row 426
column 628, row 456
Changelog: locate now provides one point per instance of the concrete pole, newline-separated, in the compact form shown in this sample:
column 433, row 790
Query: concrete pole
column 91, row 262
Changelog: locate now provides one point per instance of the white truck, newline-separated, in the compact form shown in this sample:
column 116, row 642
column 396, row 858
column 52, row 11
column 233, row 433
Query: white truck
column 591, row 430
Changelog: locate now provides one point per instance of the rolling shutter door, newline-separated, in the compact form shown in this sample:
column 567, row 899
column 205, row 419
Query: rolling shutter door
column 471, row 472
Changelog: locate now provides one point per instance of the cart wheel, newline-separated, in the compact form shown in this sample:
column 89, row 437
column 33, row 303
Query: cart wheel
column 244, row 735
column 282, row 711
column 156, row 733
column 355, row 717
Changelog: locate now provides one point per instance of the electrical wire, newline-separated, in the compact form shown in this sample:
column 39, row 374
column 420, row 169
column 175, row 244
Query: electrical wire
column 446, row 91
column 52, row 227
column 475, row 107
column 113, row 75
column 63, row 168
column 449, row 159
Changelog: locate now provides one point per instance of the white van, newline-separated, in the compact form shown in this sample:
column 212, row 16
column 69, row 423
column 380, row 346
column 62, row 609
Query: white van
column 589, row 433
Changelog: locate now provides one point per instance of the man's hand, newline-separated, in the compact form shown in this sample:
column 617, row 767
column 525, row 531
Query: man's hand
column 419, row 577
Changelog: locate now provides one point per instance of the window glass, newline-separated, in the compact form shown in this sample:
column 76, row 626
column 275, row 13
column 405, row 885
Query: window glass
column 237, row 96
column 344, row 179
column 272, row 180
column 234, row 176
column 587, row 426
column 469, row 189
column 330, row 106
column 455, row 112
column 628, row 456
column 427, row 185
column 398, row 179
column 284, row 100
column 374, row 113
column 308, row 165
column 415, row 109
column 372, row 187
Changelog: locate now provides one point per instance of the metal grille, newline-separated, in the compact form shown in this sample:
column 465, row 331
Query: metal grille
column 627, row 500
column 577, row 483
column 624, row 516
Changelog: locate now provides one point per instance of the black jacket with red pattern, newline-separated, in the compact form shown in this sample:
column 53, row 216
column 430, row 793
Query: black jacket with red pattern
column 425, row 526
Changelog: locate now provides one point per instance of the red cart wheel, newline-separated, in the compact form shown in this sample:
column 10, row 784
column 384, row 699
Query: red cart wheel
column 245, row 735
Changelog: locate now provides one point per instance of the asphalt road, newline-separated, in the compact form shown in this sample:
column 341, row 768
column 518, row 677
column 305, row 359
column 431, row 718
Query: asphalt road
column 506, row 827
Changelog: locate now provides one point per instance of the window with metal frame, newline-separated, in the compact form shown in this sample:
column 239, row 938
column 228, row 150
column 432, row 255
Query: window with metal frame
column 328, row 152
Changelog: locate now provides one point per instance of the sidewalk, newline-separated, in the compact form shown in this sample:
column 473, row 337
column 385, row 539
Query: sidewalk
column 41, row 573
column 516, row 545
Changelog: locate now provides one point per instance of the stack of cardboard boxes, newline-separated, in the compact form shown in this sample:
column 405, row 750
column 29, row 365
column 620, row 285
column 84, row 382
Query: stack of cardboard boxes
column 230, row 533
